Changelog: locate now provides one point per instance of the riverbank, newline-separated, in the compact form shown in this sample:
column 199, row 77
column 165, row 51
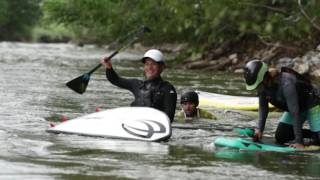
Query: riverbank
column 305, row 60
column 232, row 58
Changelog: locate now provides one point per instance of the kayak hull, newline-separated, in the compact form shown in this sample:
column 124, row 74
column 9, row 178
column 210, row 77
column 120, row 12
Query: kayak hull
column 136, row 123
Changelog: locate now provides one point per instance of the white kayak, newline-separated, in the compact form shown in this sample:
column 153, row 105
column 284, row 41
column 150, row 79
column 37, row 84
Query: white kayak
column 222, row 101
column 136, row 123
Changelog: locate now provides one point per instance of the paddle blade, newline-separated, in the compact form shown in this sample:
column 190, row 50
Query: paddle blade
column 245, row 132
column 79, row 84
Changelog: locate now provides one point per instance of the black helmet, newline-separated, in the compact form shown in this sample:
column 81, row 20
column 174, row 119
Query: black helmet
column 254, row 72
column 190, row 96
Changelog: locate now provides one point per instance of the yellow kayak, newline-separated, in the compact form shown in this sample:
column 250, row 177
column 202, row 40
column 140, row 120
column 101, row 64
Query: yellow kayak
column 222, row 101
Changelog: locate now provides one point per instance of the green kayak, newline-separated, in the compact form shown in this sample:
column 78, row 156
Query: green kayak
column 250, row 145
column 243, row 144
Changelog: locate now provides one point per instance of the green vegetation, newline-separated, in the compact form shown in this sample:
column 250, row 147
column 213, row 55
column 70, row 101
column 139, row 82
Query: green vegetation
column 17, row 17
column 199, row 23
column 51, row 33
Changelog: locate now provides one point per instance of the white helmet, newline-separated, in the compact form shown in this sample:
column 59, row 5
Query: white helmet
column 154, row 54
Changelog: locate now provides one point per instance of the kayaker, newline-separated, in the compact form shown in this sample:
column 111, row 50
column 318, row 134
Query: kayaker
column 190, row 112
column 290, row 92
column 153, row 91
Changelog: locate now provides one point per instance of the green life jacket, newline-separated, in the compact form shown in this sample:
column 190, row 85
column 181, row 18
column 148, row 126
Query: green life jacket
column 201, row 114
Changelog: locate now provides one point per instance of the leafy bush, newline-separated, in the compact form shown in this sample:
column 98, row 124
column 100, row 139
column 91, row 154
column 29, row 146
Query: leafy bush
column 17, row 18
column 197, row 22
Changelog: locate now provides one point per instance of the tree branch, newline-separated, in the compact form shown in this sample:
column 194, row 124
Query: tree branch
column 304, row 13
column 277, row 44
column 278, row 10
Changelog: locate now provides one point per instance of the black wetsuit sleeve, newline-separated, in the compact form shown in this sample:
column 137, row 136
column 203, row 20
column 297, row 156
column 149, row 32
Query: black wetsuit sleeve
column 263, row 111
column 169, row 102
column 291, row 96
column 115, row 79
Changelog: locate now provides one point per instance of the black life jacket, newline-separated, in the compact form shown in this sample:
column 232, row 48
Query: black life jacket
column 298, row 75
column 150, row 95
column 314, row 90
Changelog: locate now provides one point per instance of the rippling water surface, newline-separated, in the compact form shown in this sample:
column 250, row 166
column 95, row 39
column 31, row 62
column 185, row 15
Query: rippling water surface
column 33, row 95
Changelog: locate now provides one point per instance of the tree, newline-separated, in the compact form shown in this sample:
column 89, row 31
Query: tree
column 17, row 18
column 199, row 23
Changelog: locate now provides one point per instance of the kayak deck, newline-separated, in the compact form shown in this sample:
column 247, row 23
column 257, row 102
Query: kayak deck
column 243, row 144
column 207, row 99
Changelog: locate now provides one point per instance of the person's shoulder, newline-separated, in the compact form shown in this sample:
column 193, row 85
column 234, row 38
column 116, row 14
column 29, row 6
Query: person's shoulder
column 206, row 114
column 168, row 86
column 287, row 76
column 180, row 114
column 166, row 83
column 287, row 79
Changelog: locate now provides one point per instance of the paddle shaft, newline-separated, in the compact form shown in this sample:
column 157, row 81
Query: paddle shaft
column 135, row 37
column 99, row 65
column 80, row 83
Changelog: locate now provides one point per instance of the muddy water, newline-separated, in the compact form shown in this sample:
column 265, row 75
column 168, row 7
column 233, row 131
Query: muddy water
column 33, row 95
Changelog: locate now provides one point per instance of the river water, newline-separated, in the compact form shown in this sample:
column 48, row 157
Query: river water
column 33, row 95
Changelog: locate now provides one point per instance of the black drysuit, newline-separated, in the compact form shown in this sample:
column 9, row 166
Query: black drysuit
column 290, row 94
column 155, row 93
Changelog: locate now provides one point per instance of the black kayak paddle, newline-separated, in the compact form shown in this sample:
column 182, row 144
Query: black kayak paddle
column 80, row 83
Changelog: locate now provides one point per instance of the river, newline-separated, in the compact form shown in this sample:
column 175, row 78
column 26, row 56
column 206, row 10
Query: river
column 33, row 95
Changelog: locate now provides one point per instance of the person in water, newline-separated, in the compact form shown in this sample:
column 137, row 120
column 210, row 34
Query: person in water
column 189, row 102
column 290, row 92
column 153, row 91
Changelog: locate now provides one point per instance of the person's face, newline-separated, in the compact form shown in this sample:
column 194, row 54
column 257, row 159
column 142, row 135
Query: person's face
column 152, row 69
column 189, row 109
